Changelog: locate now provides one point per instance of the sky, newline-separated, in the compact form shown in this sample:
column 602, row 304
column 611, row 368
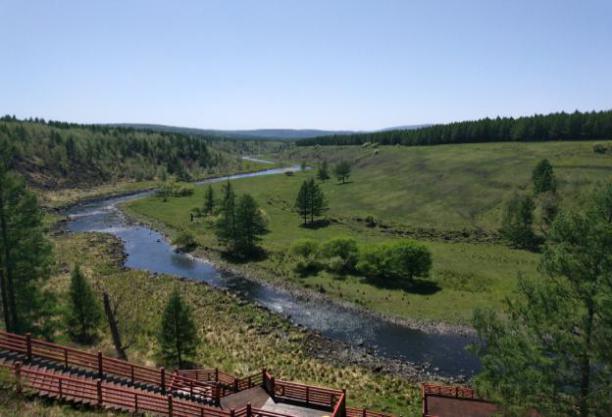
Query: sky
column 327, row 64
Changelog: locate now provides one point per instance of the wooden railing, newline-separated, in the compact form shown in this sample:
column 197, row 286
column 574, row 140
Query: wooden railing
column 199, row 384
column 103, row 394
column 448, row 391
column 69, row 357
column 362, row 412
column 228, row 383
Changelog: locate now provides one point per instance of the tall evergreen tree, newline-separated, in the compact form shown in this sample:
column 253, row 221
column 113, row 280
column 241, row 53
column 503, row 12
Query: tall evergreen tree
column 544, row 178
column 25, row 253
column 302, row 205
column 209, row 201
column 342, row 171
column 178, row 335
column 318, row 202
column 517, row 221
column 226, row 225
column 323, row 172
column 551, row 349
column 250, row 225
column 84, row 314
column 310, row 201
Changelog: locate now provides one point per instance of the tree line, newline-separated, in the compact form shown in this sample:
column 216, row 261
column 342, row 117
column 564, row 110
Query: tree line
column 56, row 154
column 554, row 126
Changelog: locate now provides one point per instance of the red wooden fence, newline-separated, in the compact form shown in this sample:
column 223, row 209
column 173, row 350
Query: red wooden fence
column 105, row 365
column 199, row 384
column 448, row 391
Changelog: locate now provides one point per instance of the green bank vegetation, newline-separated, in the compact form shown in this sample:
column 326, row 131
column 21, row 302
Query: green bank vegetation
column 449, row 197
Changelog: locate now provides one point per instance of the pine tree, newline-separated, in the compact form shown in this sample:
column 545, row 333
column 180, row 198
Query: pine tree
column 209, row 201
column 544, row 178
column 517, row 221
column 550, row 349
column 84, row 314
column 310, row 201
column 226, row 225
column 302, row 205
column 250, row 225
column 318, row 203
column 342, row 171
column 178, row 335
column 25, row 254
column 323, row 172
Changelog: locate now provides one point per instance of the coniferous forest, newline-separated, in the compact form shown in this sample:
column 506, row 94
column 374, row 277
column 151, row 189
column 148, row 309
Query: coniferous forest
column 59, row 154
column 554, row 126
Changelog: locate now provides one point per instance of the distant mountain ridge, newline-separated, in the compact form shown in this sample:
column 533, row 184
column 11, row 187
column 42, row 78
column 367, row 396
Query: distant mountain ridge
column 269, row 134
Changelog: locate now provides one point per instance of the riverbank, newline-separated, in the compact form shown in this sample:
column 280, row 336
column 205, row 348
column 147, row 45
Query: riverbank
column 235, row 335
column 254, row 273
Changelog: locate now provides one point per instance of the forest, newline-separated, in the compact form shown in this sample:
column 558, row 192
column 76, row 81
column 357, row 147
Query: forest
column 551, row 127
column 57, row 154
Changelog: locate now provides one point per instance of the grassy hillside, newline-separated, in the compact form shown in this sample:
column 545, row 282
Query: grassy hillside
column 66, row 162
column 450, row 187
column 431, row 193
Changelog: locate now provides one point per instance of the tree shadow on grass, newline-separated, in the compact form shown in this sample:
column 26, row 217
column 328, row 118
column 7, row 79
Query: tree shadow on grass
column 417, row 286
column 317, row 224
column 256, row 255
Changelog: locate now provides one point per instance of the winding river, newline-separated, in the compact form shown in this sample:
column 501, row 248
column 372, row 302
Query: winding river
column 147, row 249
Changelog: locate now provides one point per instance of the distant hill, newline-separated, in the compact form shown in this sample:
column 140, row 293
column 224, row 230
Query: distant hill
column 257, row 134
column 269, row 134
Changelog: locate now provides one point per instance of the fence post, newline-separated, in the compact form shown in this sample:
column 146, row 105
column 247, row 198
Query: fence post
column 170, row 405
column 273, row 391
column 60, row 388
column 99, row 391
column 235, row 384
column 100, row 365
column 28, row 338
column 248, row 410
column 232, row 413
column 162, row 379
column 136, row 402
column 216, row 374
column 343, row 411
column 364, row 413
column 65, row 358
column 18, row 376
column 307, row 395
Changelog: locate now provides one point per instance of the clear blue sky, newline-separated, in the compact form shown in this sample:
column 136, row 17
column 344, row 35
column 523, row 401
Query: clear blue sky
column 360, row 64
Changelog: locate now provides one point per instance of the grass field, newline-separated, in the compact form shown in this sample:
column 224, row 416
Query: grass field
column 445, row 188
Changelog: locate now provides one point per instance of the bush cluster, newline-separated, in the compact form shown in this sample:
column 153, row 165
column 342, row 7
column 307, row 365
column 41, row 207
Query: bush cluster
column 175, row 189
column 398, row 262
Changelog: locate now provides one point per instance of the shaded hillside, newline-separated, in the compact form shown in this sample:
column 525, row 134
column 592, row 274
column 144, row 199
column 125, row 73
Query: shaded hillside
column 555, row 126
column 60, row 155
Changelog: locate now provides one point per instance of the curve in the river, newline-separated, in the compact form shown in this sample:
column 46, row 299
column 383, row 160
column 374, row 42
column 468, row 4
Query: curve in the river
column 148, row 250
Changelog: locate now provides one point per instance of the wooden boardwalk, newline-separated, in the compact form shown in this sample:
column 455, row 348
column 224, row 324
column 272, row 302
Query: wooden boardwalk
column 71, row 375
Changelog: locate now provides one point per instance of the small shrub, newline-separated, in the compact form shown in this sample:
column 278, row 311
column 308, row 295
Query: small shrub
column 173, row 189
column 370, row 221
column 185, row 242
column 600, row 148
column 343, row 248
column 304, row 248
column 306, row 252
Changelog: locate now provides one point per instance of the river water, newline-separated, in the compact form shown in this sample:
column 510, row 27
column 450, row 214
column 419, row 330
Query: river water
column 148, row 250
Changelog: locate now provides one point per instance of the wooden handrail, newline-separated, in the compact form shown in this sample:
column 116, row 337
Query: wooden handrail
column 99, row 363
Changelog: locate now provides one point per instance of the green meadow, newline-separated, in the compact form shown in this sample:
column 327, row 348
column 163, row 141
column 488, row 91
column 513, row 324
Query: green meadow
column 448, row 196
